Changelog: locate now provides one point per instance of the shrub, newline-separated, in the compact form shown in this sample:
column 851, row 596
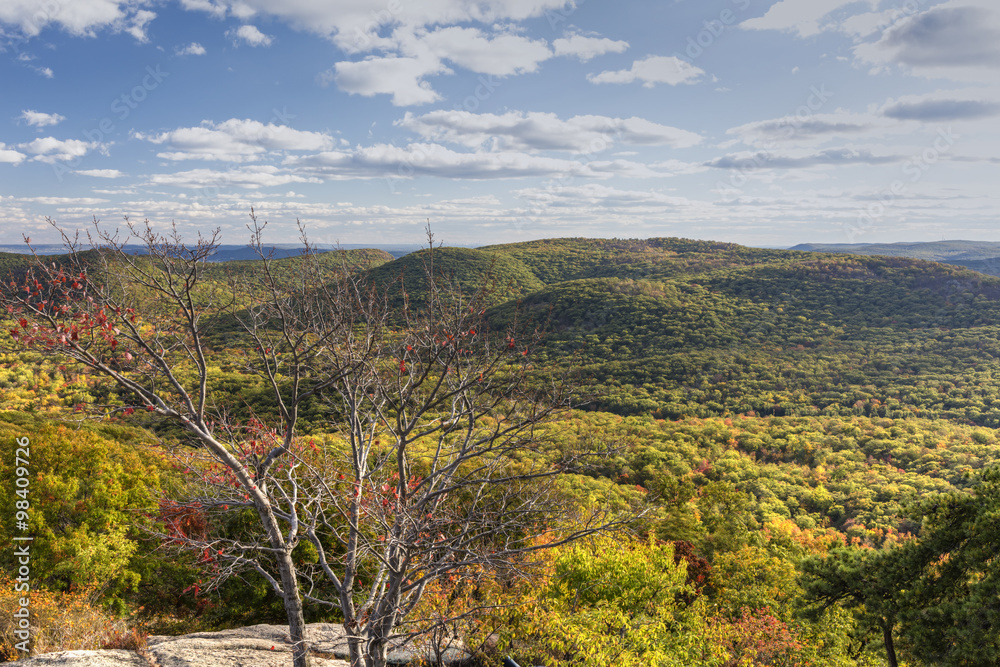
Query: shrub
column 87, row 486
column 60, row 621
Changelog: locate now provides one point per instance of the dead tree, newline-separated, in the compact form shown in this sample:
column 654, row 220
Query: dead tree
column 438, row 468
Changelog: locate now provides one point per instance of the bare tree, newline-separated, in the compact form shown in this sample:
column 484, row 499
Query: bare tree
column 438, row 469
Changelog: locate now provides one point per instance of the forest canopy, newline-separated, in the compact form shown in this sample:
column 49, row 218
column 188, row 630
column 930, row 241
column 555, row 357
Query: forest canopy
column 813, row 434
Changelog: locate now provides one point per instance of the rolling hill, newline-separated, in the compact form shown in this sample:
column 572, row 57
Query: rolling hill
column 982, row 256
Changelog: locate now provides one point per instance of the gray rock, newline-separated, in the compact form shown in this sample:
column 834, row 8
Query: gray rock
column 252, row 646
column 325, row 638
column 264, row 645
column 106, row 658
column 229, row 652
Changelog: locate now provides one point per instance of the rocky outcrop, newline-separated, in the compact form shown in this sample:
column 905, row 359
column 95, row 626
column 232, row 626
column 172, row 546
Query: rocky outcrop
column 253, row 646
column 107, row 658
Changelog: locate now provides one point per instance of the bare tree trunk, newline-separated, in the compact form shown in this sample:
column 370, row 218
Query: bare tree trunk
column 377, row 644
column 354, row 647
column 378, row 654
column 289, row 584
column 293, row 607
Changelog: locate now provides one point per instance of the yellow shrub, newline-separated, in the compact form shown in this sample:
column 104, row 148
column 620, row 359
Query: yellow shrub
column 59, row 622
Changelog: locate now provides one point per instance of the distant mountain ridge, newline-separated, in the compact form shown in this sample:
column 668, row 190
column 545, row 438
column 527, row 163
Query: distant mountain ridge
column 681, row 328
column 982, row 256
column 237, row 252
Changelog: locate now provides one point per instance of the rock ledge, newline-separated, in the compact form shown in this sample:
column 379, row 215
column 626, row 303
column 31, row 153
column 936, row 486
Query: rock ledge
column 252, row 646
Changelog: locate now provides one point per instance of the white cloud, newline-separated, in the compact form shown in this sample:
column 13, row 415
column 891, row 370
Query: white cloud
column 135, row 25
column 77, row 17
column 249, row 177
column 63, row 201
column 816, row 128
column 249, row 35
column 235, row 140
column 416, row 55
column 955, row 39
column 40, row 119
column 213, row 7
column 51, row 150
column 400, row 77
column 27, row 58
column 410, row 41
column 800, row 16
column 678, row 167
column 595, row 194
column 959, row 39
column 900, row 117
column 861, row 26
column 586, row 48
column 192, row 49
column 101, row 173
column 501, row 55
column 10, row 156
column 651, row 71
column 387, row 161
column 800, row 159
column 356, row 26
column 944, row 105
column 535, row 131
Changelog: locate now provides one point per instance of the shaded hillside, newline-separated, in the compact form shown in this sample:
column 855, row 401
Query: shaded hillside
column 504, row 276
column 981, row 256
column 10, row 261
column 936, row 251
column 15, row 264
column 990, row 267
column 689, row 328
column 795, row 334
column 557, row 260
column 331, row 262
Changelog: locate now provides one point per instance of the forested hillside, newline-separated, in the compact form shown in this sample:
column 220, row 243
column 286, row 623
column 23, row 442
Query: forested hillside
column 812, row 436
column 982, row 256
column 676, row 328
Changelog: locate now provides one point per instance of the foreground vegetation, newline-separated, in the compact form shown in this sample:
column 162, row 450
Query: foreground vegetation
column 813, row 436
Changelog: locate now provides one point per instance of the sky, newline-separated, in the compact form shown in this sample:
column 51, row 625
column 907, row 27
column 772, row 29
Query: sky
column 761, row 122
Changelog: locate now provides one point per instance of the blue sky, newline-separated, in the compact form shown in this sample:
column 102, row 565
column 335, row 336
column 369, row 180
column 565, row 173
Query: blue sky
column 752, row 121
